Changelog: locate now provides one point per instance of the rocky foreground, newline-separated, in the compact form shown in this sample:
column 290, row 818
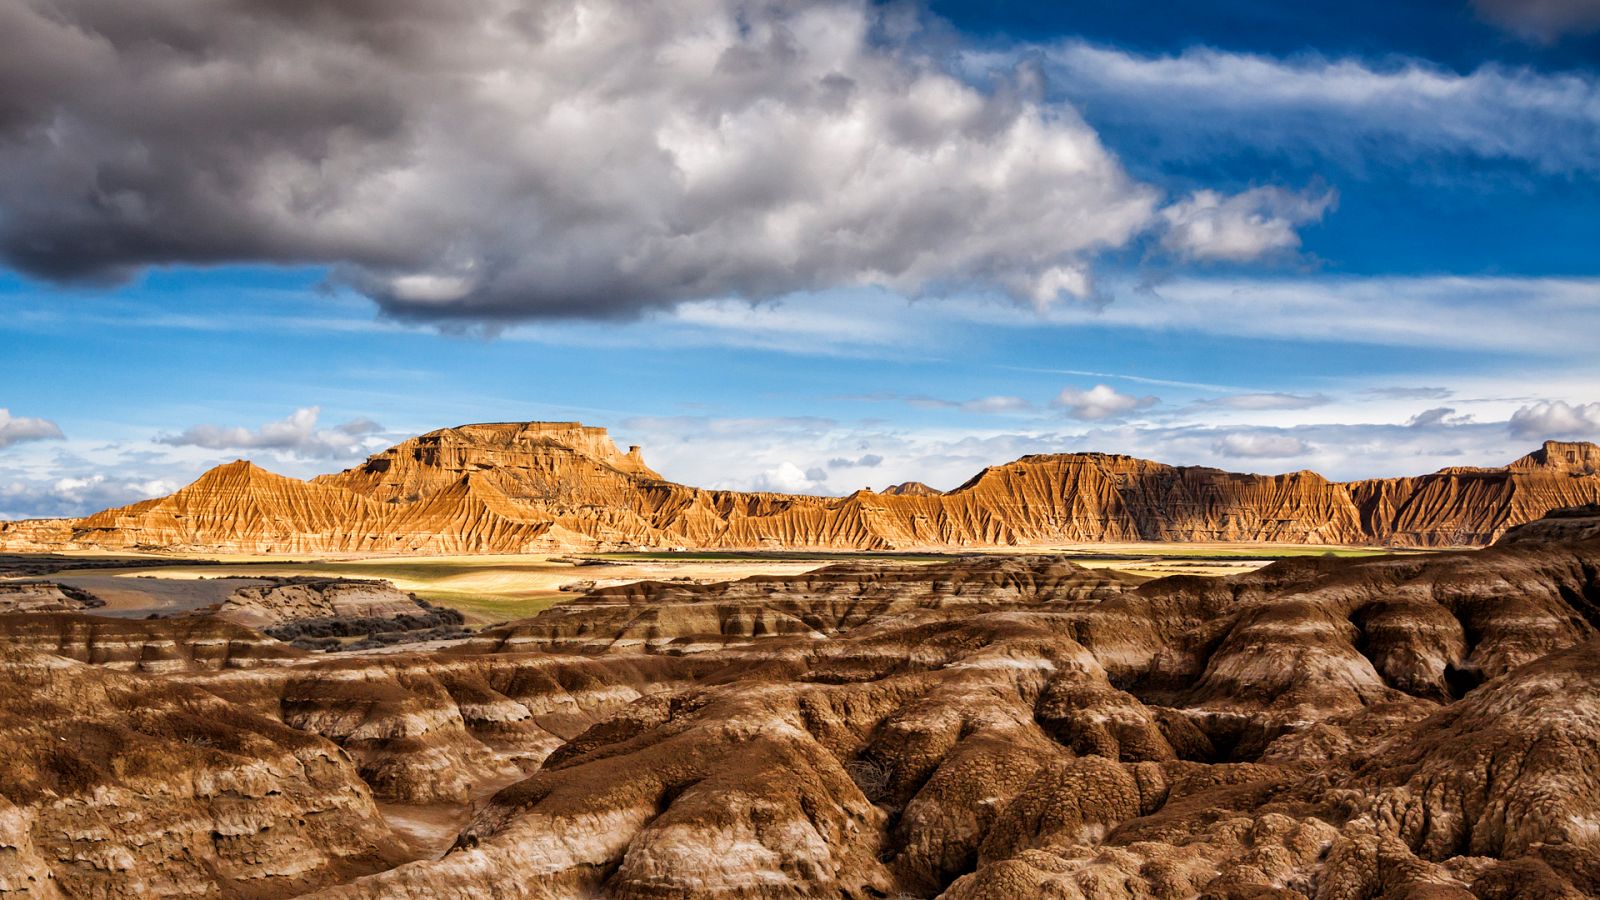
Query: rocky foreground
column 1419, row 726
column 528, row 487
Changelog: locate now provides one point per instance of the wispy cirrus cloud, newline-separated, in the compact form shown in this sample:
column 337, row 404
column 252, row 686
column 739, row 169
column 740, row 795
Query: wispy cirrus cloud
column 1347, row 108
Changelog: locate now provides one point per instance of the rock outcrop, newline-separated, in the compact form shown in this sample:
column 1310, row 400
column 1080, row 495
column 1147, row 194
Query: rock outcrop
column 292, row 599
column 533, row 487
column 44, row 596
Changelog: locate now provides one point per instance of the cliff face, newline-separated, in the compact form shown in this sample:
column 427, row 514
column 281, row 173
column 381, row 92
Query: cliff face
column 528, row 487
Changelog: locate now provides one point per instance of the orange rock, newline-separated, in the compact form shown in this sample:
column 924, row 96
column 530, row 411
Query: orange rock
column 541, row 486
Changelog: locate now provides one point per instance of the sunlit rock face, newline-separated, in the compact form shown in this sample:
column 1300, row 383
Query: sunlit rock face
column 541, row 486
column 985, row 727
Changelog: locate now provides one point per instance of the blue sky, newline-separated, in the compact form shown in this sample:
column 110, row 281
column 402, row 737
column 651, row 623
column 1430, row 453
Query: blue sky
column 802, row 252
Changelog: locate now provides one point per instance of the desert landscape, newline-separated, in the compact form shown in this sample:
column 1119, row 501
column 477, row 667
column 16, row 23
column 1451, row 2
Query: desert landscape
column 981, row 720
column 839, row 449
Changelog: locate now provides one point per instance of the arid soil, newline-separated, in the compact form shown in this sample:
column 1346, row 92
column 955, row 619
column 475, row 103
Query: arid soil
column 541, row 486
column 988, row 727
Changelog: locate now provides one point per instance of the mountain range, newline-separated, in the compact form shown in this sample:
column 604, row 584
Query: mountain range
column 550, row 486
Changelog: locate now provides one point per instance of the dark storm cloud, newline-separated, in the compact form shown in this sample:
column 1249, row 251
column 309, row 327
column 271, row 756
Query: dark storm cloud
column 490, row 160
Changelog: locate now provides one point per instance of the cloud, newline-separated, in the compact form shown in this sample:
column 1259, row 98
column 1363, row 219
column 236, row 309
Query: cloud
column 483, row 161
column 1242, row 227
column 1255, row 445
column 1550, row 419
column 1347, row 109
column 788, row 478
column 1441, row 415
column 989, row 405
column 16, row 429
column 1409, row 393
column 1542, row 21
column 1258, row 402
column 1099, row 402
column 75, row 495
column 298, row 434
column 867, row 461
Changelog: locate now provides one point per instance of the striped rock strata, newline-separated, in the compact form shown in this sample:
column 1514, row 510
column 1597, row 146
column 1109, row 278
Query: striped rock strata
column 1393, row 726
column 531, row 487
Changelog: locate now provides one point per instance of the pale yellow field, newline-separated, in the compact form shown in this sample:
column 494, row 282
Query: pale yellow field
column 496, row 588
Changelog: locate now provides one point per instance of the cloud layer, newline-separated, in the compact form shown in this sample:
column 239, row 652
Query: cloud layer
column 1341, row 108
column 297, row 434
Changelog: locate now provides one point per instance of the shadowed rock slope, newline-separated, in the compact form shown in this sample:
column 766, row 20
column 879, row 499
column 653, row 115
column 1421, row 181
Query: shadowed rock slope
column 527, row 487
column 1419, row 726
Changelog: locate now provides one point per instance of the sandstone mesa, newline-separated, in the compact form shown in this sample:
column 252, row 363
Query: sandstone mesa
column 539, row 487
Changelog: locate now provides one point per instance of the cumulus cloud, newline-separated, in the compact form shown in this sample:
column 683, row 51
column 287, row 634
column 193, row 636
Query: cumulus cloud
column 1542, row 21
column 489, row 160
column 1556, row 419
column 1259, row 445
column 1348, row 109
column 16, row 429
column 1100, row 402
column 75, row 495
column 298, row 434
column 1242, row 227
column 788, row 478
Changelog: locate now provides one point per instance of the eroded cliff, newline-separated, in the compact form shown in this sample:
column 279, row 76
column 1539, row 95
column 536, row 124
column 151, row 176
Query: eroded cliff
column 529, row 487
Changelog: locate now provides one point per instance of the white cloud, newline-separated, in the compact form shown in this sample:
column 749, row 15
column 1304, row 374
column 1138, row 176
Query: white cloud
column 1261, row 446
column 1263, row 401
column 1550, row 419
column 443, row 157
column 75, row 495
column 16, row 429
column 1100, row 402
column 1439, row 415
column 1342, row 108
column 867, row 461
column 297, row 434
column 993, row 405
column 788, row 478
column 1261, row 221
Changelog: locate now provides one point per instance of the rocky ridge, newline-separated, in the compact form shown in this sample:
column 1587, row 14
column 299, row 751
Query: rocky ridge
column 532, row 487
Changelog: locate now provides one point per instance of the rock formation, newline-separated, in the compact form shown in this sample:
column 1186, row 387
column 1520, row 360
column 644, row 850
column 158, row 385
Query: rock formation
column 986, row 727
column 533, row 487
column 291, row 599
column 44, row 596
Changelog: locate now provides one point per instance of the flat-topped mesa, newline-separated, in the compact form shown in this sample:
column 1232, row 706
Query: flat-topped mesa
column 541, row 461
column 1566, row 457
column 558, row 486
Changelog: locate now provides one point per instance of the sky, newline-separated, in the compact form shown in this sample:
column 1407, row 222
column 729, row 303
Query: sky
column 800, row 247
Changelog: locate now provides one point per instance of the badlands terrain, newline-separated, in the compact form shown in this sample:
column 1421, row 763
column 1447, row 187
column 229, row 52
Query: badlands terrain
column 538, row 487
column 967, row 720
column 984, row 726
